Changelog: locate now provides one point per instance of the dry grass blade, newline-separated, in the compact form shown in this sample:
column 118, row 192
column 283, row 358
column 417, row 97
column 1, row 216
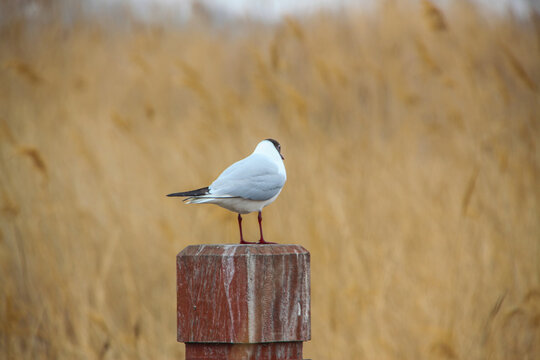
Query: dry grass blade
column 434, row 16
column 25, row 71
column 34, row 155
column 519, row 70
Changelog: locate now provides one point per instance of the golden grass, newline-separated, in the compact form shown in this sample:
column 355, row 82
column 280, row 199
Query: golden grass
column 411, row 138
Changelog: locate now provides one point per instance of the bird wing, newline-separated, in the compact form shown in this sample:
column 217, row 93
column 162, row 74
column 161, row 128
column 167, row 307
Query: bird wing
column 255, row 178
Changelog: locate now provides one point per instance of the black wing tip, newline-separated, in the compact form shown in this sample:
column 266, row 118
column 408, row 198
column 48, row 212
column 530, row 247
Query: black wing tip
column 197, row 192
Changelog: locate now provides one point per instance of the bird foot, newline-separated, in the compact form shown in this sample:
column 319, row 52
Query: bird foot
column 247, row 242
column 261, row 241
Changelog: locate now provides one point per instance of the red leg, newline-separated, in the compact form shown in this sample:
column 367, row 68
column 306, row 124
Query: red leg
column 241, row 236
column 261, row 241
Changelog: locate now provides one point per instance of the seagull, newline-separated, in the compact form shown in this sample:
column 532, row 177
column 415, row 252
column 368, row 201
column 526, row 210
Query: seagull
column 246, row 186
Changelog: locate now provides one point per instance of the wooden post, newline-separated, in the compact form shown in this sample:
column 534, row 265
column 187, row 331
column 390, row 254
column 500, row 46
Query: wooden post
column 243, row 301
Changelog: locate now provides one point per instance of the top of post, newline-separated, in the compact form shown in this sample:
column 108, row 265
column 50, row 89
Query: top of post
column 241, row 250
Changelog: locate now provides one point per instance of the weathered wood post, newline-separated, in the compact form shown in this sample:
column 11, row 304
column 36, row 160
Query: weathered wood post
column 243, row 301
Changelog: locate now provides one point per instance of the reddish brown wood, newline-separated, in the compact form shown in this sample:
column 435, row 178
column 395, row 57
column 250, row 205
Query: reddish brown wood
column 235, row 300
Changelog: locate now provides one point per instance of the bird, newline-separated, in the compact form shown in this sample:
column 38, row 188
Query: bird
column 246, row 186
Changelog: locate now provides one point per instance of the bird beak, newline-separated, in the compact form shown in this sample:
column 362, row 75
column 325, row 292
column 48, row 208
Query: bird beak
column 281, row 156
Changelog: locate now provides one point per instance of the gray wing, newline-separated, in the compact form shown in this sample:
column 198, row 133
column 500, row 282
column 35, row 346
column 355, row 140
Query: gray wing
column 254, row 178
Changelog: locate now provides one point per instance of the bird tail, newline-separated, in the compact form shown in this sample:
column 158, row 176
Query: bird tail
column 198, row 200
column 200, row 196
column 197, row 192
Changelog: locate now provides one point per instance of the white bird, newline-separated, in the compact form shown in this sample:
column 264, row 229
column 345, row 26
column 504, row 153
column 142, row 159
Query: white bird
column 247, row 185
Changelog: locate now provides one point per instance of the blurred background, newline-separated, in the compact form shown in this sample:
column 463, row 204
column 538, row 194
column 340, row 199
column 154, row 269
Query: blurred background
column 411, row 133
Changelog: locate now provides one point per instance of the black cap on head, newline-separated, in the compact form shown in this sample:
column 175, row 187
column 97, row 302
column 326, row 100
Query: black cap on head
column 277, row 145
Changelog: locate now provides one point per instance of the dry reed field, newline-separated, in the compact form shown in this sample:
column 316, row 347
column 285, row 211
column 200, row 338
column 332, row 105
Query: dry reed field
column 411, row 139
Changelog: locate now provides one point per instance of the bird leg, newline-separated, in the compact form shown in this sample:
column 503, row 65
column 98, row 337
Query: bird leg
column 261, row 241
column 240, row 226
